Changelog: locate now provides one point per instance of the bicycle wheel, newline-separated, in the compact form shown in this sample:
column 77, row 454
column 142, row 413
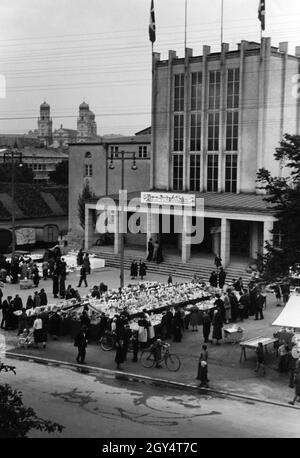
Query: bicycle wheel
column 147, row 359
column 107, row 343
column 172, row 362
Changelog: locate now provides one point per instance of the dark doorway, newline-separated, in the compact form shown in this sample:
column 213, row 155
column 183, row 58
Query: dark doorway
column 206, row 246
column 240, row 238
column 168, row 230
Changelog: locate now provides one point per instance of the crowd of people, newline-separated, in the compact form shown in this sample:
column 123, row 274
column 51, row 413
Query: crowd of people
column 232, row 304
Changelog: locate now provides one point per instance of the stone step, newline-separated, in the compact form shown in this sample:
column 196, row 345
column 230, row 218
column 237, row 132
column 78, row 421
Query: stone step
column 181, row 270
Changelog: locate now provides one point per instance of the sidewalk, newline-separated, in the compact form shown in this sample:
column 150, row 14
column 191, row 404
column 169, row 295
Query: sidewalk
column 225, row 371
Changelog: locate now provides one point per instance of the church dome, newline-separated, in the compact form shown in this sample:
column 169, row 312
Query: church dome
column 45, row 106
column 84, row 106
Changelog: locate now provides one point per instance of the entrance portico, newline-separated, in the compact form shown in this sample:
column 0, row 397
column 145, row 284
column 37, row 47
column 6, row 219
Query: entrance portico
column 239, row 221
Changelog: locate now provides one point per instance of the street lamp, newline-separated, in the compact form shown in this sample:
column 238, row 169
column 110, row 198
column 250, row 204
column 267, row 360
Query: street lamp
column 13, row 157
column 123, row 158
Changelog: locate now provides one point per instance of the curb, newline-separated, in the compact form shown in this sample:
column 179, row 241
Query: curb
column 145, row 379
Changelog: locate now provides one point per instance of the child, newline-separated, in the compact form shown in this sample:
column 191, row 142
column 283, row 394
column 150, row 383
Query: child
column 260, row 361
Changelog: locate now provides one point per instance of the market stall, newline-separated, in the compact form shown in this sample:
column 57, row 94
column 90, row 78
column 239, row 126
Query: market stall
column 253, row 344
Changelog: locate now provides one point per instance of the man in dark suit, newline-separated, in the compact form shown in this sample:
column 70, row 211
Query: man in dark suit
column 82, row 276
column 259, row 305
column 81, row 343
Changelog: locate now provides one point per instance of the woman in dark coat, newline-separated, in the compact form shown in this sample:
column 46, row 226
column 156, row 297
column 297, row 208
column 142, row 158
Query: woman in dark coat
column 177, row 323
column 222, row 278
column 29, row 303
column 119, row 358
column 142, row 270
column 133, row 270
column 36, row 276
column 217, row 326
column 194, row 318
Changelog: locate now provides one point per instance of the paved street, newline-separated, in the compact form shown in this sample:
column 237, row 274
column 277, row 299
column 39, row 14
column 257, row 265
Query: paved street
column 93, row 406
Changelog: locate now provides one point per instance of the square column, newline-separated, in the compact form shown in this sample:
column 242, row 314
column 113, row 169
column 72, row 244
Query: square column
column 185, row 239
column 225, row 241
column 254, row 239
column 89, row 229
column 268, row 236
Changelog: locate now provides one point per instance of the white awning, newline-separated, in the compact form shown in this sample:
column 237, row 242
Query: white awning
column 290, row 315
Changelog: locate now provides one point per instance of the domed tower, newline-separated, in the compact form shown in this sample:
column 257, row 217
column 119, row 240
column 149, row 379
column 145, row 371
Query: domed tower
column 86, row 125
column 45, row 124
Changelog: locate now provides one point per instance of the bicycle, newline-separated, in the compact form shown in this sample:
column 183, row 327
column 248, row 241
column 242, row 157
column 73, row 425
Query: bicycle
column 108, row 342
column 171, row 360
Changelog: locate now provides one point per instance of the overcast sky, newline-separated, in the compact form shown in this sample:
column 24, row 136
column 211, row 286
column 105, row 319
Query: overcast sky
column 67, row 51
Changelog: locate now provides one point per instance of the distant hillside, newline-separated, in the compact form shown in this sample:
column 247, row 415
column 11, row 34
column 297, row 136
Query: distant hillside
column 33, row 201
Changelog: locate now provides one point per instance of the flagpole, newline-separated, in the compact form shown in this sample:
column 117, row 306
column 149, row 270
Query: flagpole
column 185, row 26
column 222, row 19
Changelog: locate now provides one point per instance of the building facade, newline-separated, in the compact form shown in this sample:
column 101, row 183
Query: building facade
column 62, row 137
column 89, row 166
column 42, row 161
column 216, row 120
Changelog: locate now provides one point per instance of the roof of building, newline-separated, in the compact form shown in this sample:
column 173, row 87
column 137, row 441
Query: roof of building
column 136, row 139
column 133, row 140
column 39, row 152
column 227, row 202
column 65, row 129
column 145, row 131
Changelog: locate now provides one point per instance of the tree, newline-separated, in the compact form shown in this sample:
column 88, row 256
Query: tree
column 283, row 195
column 60, row 175
column 23, row 174
column 16, row 420
column 82, row 199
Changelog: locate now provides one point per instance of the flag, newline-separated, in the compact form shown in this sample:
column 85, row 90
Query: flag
column 262, row 13
column 152, row 32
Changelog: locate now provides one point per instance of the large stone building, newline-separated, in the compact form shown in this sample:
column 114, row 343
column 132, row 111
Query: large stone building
column 217, row 119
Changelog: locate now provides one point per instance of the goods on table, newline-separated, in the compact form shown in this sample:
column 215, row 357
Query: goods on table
column 152, row 296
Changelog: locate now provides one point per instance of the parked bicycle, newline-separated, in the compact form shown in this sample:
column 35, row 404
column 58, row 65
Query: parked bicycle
column 171, row 360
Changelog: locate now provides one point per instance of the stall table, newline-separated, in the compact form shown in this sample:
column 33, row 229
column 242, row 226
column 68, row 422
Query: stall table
column 233, row 334
column 253, row 343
